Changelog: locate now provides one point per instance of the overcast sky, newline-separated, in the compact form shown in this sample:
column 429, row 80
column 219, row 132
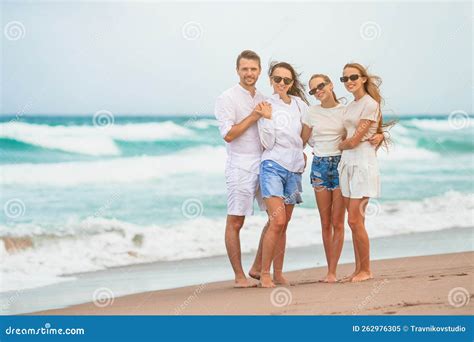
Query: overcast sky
column 73, row 57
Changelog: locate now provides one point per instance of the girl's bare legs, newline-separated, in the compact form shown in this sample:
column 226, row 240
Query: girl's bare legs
column 279, row 256
column 331, row 211
column 356, row 218
column 277, row 224
column 324, row 202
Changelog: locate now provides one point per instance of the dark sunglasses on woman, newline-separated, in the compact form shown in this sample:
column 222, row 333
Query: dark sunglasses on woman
column 354, row 77
column 320, row 86
column 286, row 80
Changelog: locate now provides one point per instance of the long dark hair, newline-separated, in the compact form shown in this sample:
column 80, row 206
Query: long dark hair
column 297, row 89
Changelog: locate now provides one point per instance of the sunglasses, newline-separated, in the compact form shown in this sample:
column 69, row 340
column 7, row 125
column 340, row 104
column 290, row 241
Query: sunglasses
column 354, row 77
column 286, row 80
column 320, row 86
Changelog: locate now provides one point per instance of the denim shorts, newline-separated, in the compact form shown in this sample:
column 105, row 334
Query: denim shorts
column 324, row 172
column 276, row 181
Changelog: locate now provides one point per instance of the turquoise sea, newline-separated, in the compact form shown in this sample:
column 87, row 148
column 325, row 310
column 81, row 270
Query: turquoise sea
column 81, row 194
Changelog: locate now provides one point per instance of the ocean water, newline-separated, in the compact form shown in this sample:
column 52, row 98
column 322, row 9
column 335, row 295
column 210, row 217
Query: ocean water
column 80, row 195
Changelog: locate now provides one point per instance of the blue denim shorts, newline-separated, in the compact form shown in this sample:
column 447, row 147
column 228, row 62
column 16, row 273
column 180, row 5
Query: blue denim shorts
column 276, row 181
column 324, row 172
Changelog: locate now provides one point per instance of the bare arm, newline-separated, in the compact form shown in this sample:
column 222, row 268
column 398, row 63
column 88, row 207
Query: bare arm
column 352, row 142
column 306, row 133
column 238, row 129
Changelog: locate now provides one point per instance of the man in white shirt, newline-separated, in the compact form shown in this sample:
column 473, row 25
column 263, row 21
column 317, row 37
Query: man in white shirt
column 236, row 114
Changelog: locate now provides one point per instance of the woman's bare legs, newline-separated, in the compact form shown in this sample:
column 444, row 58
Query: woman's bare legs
column 277, row 224
column 356, row 219
column 279, row 256
column 356, row 253
column 257, row 263
column 338, row 215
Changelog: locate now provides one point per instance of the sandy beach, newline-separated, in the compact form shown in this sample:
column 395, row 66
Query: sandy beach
column 423, row 285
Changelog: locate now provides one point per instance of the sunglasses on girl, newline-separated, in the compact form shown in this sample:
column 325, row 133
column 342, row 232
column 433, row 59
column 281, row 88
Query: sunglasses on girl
column 320, row 86
column 286, row 80
column 353, row 77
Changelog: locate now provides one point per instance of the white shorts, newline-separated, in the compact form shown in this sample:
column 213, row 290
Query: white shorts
column 242, row 189
column 359, row 174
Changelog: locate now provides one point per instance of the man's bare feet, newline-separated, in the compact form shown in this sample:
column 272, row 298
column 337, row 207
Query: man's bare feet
column 242, row 283
column 254, row 273
column 266, row 280
column 279, row 279
column 330, row 278
column 362, row 276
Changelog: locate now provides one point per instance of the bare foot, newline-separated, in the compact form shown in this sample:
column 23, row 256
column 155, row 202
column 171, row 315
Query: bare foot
column 361, row 276
column 254, row 273
column 266, row 281
column 349, row 278
column 330, row 278
column 242, row 283
column 280, row 280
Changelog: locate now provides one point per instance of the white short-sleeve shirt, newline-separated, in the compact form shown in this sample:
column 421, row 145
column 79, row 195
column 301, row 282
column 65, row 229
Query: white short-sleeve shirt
column 328, row 129
column 364, row 108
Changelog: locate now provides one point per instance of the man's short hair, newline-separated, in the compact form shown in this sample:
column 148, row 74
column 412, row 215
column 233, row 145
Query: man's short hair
column 248, row 54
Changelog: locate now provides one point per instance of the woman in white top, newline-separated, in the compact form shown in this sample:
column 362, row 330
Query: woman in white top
column 358, row 169
column 282, row 164
column 323, row 126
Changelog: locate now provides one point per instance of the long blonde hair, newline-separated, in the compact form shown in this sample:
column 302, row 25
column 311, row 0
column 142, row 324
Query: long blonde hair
column 372, row 87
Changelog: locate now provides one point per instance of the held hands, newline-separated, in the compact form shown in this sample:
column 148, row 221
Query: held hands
column 264, row 109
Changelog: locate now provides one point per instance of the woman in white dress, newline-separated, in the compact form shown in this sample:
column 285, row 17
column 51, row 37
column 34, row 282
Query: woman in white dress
column 359, row 175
